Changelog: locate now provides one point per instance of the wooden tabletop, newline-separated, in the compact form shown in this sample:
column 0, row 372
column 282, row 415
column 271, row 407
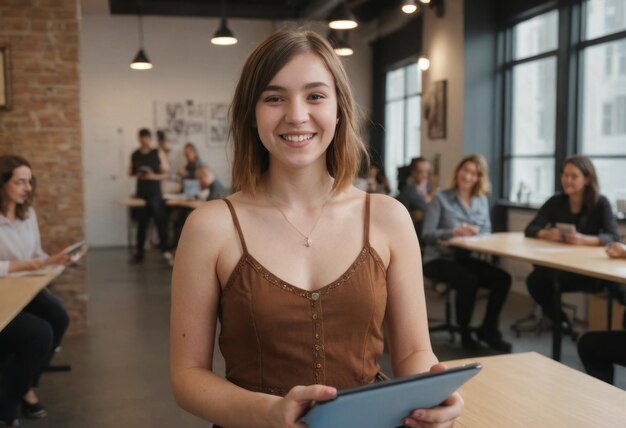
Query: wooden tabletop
column 17, row 292
column 590, row 261
column 530, row 390
column 182, row 203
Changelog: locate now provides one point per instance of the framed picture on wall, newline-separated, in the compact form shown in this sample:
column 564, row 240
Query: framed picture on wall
column 5, row 87
column 435, row 110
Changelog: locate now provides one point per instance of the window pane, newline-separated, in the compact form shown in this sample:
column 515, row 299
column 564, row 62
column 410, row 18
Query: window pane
column 603, row 103
column 612, row 176
column 395, row 84
column 394, row 140
column 534, row 107
column 535, row 36
column 532, row 180
column 413, row 80
column 413, row 123
column 604, row 17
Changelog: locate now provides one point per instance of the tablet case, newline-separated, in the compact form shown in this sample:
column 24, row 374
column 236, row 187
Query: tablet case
column 385, row 404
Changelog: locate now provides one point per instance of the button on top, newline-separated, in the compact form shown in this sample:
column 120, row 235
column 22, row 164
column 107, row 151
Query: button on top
column 315, row 296
column 314, row 316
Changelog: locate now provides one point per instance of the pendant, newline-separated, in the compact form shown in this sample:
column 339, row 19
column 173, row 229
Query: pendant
column 308, row 242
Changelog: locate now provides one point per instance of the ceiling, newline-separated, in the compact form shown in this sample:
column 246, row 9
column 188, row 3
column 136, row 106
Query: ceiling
column 364, row 10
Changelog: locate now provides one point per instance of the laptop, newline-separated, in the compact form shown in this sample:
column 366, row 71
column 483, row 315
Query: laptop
column 191, row 188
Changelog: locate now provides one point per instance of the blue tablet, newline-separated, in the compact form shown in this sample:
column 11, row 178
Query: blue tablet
column 385, row 404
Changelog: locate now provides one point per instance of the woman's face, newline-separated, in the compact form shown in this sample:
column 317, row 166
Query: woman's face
column 296, row 114
column 19, row 187
column 467, row 177
column 573, row 180
column 190, row 154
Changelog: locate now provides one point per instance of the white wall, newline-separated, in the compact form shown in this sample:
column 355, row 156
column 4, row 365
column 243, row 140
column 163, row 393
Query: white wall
column 116, row 101
column 443, row 44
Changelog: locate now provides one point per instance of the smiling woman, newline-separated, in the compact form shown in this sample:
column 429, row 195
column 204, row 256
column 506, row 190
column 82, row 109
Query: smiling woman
column 299, row 266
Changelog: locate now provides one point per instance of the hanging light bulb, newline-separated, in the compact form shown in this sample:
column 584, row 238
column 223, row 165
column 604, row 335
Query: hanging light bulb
column 425, row 1
column 409, row 6
column 423, row 63
column 223, row 36
column 343, row 48
column 141, row 61
column 342, row 18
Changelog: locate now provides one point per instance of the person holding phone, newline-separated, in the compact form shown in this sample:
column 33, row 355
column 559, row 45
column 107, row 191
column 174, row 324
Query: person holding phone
column 150, row 166
column 463, row 210
column 582, row 206
column 300, row 267
column 600, row 351
column 29, row 340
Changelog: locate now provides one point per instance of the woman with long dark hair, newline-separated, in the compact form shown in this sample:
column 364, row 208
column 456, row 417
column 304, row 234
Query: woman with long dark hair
column 30, row 339
column 590, row 220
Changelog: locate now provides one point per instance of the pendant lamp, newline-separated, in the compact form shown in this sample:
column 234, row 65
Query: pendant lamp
column 342, row 18
column 223, row 36
column 409, row 6
column 141, row 61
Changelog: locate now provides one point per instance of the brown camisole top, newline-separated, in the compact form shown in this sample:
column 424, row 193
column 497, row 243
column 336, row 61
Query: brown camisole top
column 275, row 335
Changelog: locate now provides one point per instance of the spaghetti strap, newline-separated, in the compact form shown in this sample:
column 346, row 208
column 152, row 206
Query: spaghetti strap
column 366, row 223
column 237, row 225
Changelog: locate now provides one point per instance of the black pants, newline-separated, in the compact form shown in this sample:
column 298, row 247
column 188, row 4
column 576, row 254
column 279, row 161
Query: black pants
column 600, row 350
column 49, row 308
column 155, row 207
column 26, row 345
column 466, row 275
column 540, row 284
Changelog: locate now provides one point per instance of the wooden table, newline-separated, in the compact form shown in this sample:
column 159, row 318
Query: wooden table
column 529, row 390
column 590, row 261
column 17, row 292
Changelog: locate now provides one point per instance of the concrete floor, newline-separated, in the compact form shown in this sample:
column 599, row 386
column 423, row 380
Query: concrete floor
column 119, row 371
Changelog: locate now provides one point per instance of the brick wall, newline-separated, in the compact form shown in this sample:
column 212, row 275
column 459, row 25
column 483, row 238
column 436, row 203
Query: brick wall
column 44, row 125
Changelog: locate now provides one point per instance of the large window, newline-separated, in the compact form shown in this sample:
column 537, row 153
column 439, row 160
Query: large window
column 531, row 75
column 402, row 118
column 603, row 99
column 586, row 68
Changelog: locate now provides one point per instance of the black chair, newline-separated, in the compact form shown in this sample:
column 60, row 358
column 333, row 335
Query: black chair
column 447, row 324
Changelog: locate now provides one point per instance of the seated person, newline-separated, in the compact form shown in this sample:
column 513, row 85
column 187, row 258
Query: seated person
column 580, row 204
column 417, row 192
column 193, row 162
column 30, row 339
column 377, row 181
column 601, row 350
column 463, row 210
column 208, row 181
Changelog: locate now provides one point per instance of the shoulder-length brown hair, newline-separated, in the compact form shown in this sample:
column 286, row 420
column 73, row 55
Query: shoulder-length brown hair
column 483, row 185
column 251, row 158
column 591, row 193
column 8, row 164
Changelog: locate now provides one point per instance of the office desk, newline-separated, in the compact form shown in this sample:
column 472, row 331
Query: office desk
column 529, row 390
column 590, row 261
column 17, row 292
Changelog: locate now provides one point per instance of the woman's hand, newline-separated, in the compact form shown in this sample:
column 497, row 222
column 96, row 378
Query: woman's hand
column 286, row 412
column 465, row 230
column 616, row 250
column 442, row 416
column 552, row 234
column 580, row 239
column 61, row 258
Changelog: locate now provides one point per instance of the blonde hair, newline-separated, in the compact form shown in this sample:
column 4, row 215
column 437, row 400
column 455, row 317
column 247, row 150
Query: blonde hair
column 483, row 185
column 251, row 158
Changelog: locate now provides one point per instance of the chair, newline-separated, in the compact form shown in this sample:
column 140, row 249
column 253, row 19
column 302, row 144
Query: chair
column 447, row 324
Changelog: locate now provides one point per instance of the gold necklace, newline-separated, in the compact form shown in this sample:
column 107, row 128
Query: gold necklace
column 307, row 238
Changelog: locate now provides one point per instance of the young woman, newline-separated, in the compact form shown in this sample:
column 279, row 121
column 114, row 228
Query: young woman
column 582, row 206
column 31, row 337
column 463, row 210
column 300, row 267
column 193, row 162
